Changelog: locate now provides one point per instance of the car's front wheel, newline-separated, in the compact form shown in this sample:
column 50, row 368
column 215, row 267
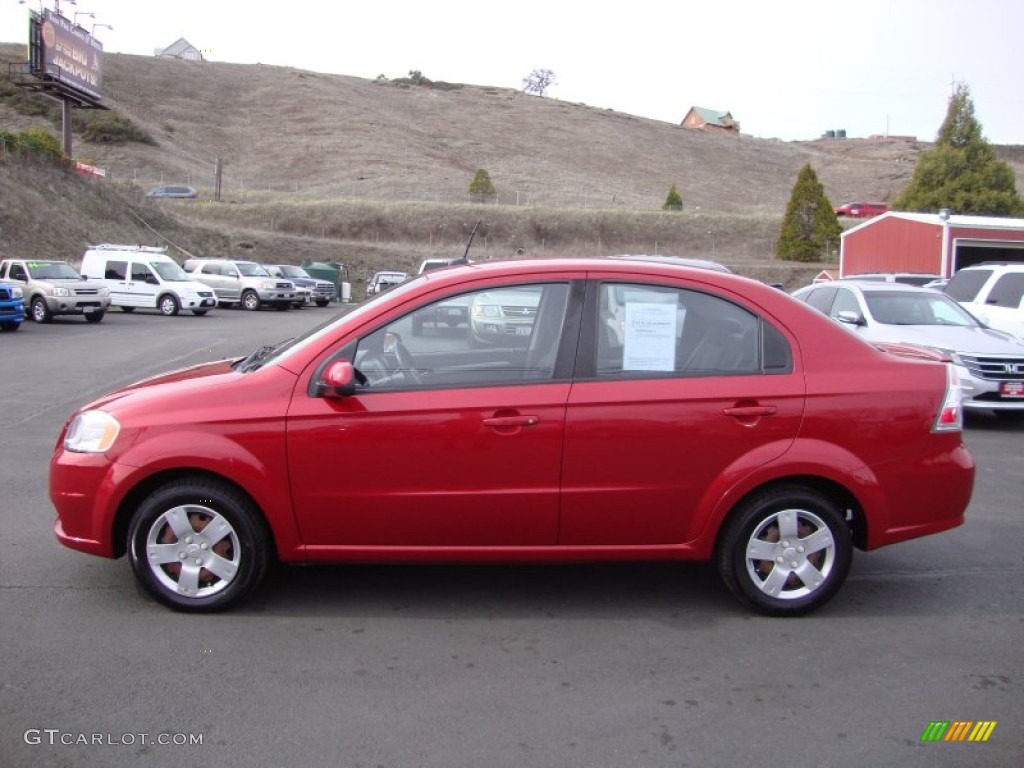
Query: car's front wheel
column 251, row 301
column 785, row 551
column 198, row 545
column 94, row 317
column 40, row 312
column 168, row 305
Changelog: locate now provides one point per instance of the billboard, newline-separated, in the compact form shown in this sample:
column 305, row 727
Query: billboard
column 63, row 52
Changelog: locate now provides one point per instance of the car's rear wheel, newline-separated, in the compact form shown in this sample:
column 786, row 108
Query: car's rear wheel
column 40, row 312
column 322, row 303
column 198, row 545
column 95, row 317
column 127, row 309
column 251, row 301
column 785, row 551
column 168, row 305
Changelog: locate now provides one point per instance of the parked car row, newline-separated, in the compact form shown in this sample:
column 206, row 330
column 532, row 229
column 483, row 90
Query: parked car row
column 134, row 277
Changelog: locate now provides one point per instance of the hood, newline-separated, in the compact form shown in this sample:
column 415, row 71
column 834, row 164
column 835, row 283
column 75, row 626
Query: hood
column 197, row 372
column 967, row 340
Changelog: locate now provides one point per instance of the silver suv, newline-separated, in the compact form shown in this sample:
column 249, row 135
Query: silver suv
column 993, row 293
column 243, row 282
column 55, row 288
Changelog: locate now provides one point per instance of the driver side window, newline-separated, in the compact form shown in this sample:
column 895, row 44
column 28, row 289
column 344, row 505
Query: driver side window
column 503, row 335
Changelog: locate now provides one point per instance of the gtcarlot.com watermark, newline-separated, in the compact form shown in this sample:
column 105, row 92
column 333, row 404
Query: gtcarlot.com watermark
column 55, row 737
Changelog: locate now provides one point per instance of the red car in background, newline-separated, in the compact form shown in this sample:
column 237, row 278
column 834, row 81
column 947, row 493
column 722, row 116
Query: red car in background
column 626, row 409
column 861, row 210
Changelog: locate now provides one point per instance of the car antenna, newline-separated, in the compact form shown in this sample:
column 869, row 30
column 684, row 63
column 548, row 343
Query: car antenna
column 465, row 256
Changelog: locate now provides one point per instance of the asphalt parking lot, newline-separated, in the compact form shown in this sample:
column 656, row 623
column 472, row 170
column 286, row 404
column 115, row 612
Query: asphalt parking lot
column 610, row 665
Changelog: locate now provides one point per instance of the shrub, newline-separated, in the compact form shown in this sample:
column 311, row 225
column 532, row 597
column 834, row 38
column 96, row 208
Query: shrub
column 674, row 201
column 481, row 189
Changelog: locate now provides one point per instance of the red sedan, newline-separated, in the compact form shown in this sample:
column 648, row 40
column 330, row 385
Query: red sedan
column 620, row 409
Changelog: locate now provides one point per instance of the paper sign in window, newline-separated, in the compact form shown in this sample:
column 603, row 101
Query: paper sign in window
column 650, row 337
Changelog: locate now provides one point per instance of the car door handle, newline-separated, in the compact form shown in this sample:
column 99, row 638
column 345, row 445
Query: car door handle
column 511, row 421
column 750, row 411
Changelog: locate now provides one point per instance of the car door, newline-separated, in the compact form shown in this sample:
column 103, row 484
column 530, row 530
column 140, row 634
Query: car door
column 117, row 276
column 678, row 392
column 143, row 285
column 446, row 444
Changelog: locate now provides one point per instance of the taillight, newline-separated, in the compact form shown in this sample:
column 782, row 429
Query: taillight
column 951, row 415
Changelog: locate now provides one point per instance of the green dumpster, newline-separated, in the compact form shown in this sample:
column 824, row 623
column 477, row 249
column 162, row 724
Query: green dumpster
column 335, row 272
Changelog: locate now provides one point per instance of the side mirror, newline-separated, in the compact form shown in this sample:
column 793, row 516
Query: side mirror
column 850, row 317
column 339, row 380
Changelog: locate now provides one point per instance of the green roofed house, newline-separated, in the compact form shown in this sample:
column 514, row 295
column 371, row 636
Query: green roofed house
column 701, row 119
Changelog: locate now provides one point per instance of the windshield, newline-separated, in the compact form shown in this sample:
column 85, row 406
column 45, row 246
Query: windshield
column 251, row 269
column 52, row 270
column 925, row 308
column 289, row 270
column 170, row 272
column 286, row 349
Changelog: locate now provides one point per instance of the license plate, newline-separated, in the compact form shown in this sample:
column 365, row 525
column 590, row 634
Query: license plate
column 523, row 330
column 88, row 310
column 1012, row 389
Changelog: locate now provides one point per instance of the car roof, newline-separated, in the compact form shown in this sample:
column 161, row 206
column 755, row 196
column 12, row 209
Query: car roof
column 684, row 261
column 878, row 286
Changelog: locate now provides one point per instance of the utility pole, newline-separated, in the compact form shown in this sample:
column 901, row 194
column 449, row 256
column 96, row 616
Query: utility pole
column 218, row 170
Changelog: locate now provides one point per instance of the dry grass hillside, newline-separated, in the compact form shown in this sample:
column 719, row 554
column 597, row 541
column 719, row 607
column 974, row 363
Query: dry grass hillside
column 376, row 173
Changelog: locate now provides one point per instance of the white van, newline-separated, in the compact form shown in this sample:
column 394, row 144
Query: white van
column 142, row 276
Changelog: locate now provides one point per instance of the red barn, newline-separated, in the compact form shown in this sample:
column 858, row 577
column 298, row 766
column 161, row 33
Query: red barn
column 928, row 243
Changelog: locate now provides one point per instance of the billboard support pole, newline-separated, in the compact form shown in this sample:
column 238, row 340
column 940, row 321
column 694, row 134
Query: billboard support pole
column 66, row 108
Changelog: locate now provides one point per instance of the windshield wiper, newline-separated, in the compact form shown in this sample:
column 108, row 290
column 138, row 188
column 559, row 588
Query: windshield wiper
column 256, row 358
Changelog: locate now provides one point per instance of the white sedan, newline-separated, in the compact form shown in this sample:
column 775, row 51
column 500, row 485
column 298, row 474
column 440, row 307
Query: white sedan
column 990, row 362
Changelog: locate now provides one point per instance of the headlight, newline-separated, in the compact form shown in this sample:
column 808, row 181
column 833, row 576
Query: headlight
column 91, row 432
column 486, row 310
column 60, row 291
column 267, row 285
column 16, row 292
column 104, row 291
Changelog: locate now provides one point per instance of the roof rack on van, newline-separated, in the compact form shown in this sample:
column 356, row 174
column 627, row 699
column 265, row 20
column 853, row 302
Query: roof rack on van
column 141, row 248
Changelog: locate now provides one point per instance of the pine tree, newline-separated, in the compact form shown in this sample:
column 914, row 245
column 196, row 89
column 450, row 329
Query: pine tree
column 481, row 188
column 962, row 172
column 674, row 201
column 810, row 229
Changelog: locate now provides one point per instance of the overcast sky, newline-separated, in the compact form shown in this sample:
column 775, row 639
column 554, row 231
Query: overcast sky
column 789, row 69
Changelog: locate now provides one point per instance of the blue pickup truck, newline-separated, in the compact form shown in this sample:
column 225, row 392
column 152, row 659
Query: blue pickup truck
column 12, row 306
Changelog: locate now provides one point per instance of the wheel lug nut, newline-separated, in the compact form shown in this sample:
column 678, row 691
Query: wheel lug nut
column 794, row 564
column 199, row 561
column 785, row 543
column 800, row 548
column 780, row 559
column 204, row 545
column 188, row 539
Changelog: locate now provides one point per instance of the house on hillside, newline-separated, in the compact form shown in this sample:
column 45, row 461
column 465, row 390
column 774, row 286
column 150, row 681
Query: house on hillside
column 701, row 119
column 180, row 49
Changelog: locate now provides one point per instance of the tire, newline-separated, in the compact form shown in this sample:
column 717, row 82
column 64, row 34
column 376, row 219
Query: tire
column 298, row 305
column 199, row 312
column 128, row 309
column 7, row 327
column 251, row 301
column 39, row 311
column 322, row 303
column 282, row 307
column 800, row 534
column 170, row 550
column 168, row 305
column 94, row 317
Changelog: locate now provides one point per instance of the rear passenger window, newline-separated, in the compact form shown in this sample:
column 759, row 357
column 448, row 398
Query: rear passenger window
column 646, row 329
column 116, row 270
column 964, row 286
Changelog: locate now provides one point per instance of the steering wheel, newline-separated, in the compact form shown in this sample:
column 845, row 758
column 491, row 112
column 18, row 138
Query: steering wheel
column 407, row 368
